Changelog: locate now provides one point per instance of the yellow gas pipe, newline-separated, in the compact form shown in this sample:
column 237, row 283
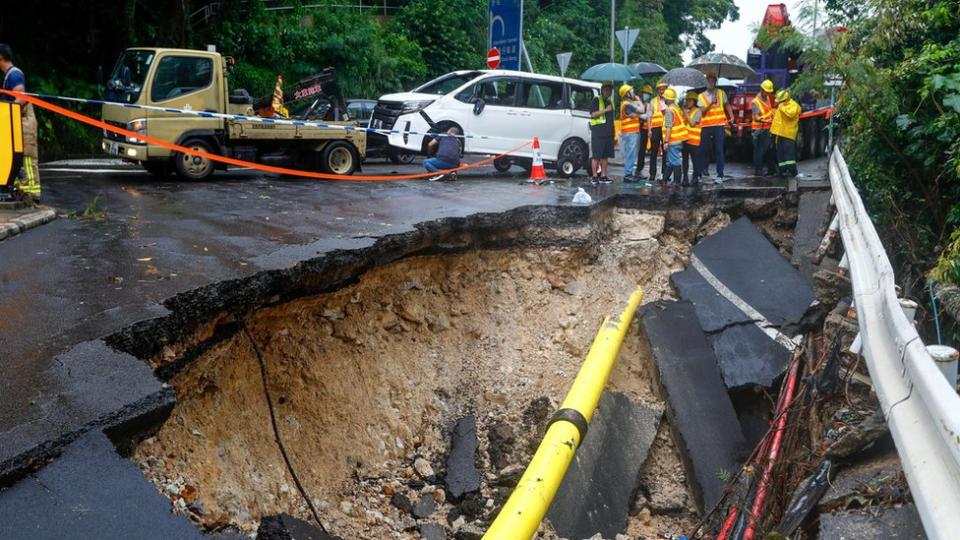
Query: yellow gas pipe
column 524, row 510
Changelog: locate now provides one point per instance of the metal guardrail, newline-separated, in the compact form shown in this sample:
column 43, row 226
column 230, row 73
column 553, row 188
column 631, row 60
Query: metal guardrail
column 922, row 409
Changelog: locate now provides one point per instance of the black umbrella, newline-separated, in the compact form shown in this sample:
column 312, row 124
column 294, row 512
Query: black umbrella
column 719, row 64
column 688, row 77
column 648, row 69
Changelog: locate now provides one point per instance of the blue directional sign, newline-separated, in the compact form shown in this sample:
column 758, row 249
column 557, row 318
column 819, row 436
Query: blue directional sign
column 506, row 31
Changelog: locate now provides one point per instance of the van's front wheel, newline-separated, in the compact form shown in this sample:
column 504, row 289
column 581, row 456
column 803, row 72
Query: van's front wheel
column 194, row 167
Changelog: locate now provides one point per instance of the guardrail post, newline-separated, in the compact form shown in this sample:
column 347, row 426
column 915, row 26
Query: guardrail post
column 946, row 359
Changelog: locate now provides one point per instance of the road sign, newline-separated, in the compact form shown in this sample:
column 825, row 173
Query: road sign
column 493, row 58
column 626, row 37
column 506, row 31
column 563, row 59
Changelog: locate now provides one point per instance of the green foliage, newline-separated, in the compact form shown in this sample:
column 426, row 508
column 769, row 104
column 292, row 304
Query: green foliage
column 947, row 270
column 92, row 211
column 900, row 106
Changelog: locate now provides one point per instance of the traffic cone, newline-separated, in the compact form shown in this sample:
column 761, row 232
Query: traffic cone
column 537, row 174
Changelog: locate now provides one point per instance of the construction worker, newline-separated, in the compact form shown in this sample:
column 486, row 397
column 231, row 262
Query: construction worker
column 691, row 148
column 646, row 111
column 657, row 108
column 716, row 113
column 601, row 133
column 447, row 147
column 786, row 122
column 674, row 135
column 761, row 118
column 629, row 129
column 28, row 181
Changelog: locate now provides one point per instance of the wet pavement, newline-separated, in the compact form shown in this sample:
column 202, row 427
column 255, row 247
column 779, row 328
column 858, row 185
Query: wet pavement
column 73, row 281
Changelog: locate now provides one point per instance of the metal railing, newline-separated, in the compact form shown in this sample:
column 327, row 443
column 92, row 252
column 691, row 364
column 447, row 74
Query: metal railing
column 922, row 409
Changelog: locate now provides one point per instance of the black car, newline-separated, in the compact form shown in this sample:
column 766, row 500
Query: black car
column 362, row 110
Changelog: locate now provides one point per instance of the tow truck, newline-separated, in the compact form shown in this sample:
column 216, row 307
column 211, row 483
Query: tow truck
column 781, row 67
column 199, row 80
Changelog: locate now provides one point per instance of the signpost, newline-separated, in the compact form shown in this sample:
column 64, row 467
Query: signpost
column 493, row 58
column 506, row 31
column 626, row 37
column 563, row 60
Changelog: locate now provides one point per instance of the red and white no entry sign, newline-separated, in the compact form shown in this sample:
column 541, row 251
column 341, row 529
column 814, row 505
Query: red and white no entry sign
column 493, row 58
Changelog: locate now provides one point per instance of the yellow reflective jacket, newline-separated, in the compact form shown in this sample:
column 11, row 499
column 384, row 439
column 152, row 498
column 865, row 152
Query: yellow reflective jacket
column 786, row 120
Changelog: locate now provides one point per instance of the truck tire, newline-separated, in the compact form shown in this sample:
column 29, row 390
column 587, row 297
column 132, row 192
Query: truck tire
column 339, row 157
column 157, row 169
column 193, row 168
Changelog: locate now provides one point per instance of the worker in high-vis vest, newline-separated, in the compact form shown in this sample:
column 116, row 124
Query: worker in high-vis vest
column 786, row 122
column 657, row 107
column 630, row 110
column 716, row 114
column 674, row 136
column 28, row 181
column 601, row 133
column 691, row 148
column 761, row 119
column 646, row 111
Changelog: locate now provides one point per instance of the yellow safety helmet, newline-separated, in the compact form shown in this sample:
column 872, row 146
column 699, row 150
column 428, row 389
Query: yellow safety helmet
column 692, row 94
column 624, row 90
column 782, row 96
column 662, row 84
column 767, row 86
column 647, row 89
column 670, row 94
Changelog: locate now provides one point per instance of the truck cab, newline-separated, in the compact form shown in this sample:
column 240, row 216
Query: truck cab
column 196, row 80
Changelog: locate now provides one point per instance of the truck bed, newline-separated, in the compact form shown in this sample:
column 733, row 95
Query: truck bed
column 240, row 130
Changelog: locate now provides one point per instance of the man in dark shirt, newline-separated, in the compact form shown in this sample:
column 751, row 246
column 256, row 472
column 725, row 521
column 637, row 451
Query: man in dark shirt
column 601, row 133
column 28, row 181
column 447, row 147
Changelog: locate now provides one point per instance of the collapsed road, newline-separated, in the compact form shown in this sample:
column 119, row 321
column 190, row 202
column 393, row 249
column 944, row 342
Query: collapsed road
column 343, row 367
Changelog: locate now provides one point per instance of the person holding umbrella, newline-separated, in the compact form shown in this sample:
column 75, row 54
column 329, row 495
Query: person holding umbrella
column 629, row 128
column 657, row 108
column 601, row 133
column 716, row 114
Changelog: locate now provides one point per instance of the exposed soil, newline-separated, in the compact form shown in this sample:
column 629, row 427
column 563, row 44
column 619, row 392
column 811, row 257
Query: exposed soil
column 368, row 380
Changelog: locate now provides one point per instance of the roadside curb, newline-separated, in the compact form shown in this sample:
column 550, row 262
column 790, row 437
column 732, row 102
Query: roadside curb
column 17, row 225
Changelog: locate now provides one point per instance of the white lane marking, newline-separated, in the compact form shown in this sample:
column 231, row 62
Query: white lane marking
column 758, row 319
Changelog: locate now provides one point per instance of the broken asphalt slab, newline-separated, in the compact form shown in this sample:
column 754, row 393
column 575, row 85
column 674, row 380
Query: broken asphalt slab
column 90, row 492
column 742, row 287
column 287, row 527
column 705, row 425
column 812, row 217
column 462, row 474
column 898, row 523
column 596, row 493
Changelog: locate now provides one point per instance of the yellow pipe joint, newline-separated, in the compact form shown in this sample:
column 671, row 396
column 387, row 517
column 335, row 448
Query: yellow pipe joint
column 521, row 515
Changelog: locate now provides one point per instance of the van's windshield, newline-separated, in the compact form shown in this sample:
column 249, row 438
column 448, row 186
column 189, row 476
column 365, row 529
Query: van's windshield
column 127, row 79
column 447, row 83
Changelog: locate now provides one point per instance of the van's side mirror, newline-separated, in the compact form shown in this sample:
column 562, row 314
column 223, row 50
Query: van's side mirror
column 478, row 105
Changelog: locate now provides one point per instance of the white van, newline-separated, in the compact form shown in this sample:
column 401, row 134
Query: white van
column 499, row 110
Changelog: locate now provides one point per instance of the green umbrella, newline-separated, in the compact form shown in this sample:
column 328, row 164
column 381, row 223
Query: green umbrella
column 610, row 71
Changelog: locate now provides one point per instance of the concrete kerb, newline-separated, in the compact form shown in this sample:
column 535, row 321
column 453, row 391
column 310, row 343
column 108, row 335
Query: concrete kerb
column 26, row 221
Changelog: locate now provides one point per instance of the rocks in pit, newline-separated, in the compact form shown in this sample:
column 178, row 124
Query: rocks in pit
column 401, row 502
column 424, row 507
column 432, row 531
column 287, row 527
column 500, row 441
column 462, row 474
column 423, row 468
column 830, row 287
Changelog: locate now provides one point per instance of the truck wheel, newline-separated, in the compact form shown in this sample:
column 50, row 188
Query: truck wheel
column 339, row 158
column 159, row 169
column 194, row 168
column 502, row 164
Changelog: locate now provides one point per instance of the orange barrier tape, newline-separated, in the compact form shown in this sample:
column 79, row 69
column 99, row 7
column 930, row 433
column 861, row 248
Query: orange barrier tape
column 240, row 163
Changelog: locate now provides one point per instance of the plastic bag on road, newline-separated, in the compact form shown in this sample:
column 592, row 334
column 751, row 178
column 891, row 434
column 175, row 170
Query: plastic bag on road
column 582, row 197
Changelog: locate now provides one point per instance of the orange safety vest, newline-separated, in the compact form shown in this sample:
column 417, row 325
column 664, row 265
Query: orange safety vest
column 715, row 114
column 766, row 113
column 628, row 124
column 678, row 132
column 656, row 119
column 693, row 132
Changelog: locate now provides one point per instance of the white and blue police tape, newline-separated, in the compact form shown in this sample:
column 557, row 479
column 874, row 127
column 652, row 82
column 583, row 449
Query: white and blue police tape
column 243, row 117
